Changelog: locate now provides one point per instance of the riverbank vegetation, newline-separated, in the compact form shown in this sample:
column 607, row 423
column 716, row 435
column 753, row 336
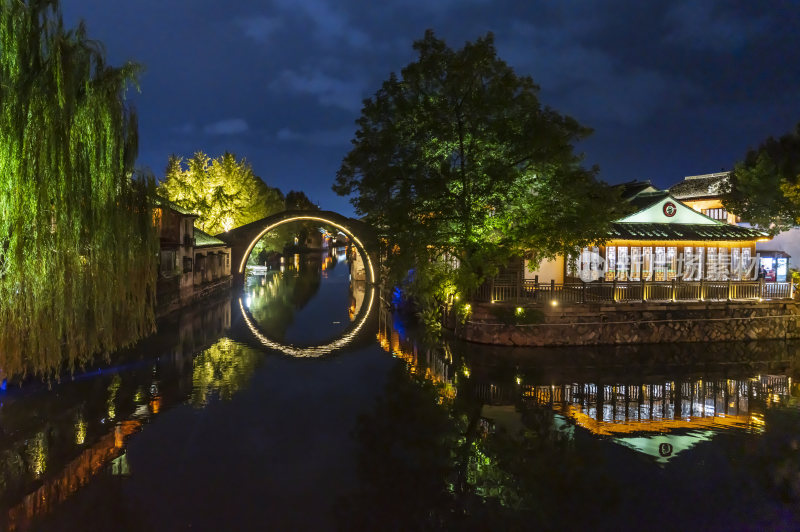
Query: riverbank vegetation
column 78, row 247
column 459, row 167
column 764, row 188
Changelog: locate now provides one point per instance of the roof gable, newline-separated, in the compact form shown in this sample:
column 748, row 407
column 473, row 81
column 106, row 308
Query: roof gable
column 668, row 210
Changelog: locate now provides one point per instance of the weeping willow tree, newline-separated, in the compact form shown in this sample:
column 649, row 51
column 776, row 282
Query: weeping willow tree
column 77, row 241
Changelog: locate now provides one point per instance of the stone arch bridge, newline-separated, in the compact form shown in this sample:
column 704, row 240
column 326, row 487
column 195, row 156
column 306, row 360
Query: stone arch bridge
column 244, row 238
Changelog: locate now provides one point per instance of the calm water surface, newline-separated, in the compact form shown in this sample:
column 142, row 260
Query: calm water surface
column 303, row 403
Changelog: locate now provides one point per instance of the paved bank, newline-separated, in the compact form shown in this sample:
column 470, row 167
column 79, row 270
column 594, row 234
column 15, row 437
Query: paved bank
column 636, row 324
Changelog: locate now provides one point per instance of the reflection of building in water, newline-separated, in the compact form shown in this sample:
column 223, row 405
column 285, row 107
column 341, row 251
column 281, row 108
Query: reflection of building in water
column 664, row 418
column 432, row 364
column 60, row 454
column 74, row 476
column 357, row 270
column 358, row 290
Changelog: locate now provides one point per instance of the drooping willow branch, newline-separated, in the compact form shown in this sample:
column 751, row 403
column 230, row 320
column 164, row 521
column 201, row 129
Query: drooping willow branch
column 78, row 247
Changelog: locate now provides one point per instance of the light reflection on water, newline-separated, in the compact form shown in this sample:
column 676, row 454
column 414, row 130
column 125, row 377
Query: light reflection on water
column 655, row 416
column 641, row 399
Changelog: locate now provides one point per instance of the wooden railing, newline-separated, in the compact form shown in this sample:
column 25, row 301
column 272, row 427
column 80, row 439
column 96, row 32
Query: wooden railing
column 531, row 291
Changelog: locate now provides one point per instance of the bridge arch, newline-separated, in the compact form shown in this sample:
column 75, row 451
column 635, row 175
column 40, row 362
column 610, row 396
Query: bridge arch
column 243, row 239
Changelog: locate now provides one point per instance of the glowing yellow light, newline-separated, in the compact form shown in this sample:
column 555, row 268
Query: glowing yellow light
column 465, row 371
column 554, row 303
column 341, row 228
column 519, row 380
column 80, row 430
column 519, row 311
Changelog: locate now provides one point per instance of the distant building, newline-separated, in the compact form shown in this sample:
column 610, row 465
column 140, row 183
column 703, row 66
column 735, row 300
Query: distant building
column 192, row 263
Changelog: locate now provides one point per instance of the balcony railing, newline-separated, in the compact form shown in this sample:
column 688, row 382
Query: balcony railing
column 531, row 291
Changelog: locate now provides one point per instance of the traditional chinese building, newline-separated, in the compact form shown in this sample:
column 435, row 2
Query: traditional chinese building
column 664, row 239
column 192, row 263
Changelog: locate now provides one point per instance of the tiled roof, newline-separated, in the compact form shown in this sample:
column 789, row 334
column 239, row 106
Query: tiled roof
column 663, row 231
column 632, row 188
column 645, row 199
column 202, row 239
column 705, row 186
column 164, row 202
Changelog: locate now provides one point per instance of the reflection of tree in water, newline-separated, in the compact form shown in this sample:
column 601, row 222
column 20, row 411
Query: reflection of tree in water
column 272, row 305
column 222, row 370
column 428, row 463
column 429, row 460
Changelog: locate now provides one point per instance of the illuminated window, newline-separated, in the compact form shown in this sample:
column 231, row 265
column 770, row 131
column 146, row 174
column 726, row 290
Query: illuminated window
column 672, row 263
column 660, row 264
column 647, row 263
column 736, row 264
column 636, row 264
column 724, row 266
column 611, row 262
column 699, row 256
column 749, row 269
column 713, row 267
column 622, row 263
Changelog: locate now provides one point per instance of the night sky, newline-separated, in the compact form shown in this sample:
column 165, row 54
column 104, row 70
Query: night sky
column 671, row 89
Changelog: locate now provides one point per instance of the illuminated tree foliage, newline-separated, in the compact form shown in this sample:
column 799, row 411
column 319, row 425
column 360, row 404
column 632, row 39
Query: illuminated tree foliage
column 222, row 370
column 77, row 243
column 456, row 157
column 764, row 189
column 223, row 191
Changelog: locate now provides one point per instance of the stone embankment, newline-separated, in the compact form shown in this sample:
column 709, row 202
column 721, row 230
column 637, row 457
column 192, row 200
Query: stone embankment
column 636, row 323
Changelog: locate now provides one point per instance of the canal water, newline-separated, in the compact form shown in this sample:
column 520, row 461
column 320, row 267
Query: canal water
column 303, row 403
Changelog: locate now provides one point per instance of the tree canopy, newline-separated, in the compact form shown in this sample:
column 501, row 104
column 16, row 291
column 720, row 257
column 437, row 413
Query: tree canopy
column 457, row 158
column 78, row 245
column 764, row 188
column 224, row 192
column 297, row 200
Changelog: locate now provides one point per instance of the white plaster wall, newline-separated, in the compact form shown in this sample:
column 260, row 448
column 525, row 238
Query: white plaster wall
column 787, row 241
column 548, row 270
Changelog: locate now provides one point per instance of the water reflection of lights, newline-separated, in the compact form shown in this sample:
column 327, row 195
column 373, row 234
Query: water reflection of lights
column 310, row 351
column 613, row 410
column 74, row 476
column 80, row 430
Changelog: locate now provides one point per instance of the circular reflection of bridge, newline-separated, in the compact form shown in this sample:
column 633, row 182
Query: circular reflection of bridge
column 365, row 313
column 243, row 239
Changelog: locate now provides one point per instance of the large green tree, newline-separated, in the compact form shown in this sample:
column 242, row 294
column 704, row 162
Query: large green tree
column 224, row 191
column 457, row 158
column 764, row 188
column 77, row 242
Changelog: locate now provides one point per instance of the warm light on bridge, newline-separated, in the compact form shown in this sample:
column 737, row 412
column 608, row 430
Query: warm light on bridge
column 359, row 244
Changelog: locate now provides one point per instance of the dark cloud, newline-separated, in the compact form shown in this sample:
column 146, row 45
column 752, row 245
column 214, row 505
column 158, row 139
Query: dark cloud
column 670, row 89
column 330, row 138
column 231, row 126
column 327, row 90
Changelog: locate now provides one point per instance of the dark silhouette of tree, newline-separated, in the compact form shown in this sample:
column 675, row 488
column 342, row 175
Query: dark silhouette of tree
column 764, row 189
column 456, row 157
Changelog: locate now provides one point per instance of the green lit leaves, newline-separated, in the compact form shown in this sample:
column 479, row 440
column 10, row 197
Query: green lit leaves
column 224, row 192
column 78, row 244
